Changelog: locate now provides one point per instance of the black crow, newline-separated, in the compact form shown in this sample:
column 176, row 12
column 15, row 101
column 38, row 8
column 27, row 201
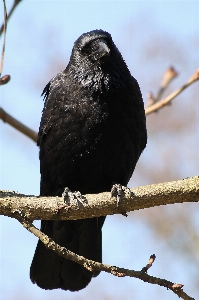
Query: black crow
column 91, row 135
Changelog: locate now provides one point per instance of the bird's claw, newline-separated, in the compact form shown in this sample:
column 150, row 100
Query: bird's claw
column 119, row 191
column 73, row 198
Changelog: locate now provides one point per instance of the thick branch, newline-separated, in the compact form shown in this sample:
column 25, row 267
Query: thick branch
column 54, row 208
column 92, row 265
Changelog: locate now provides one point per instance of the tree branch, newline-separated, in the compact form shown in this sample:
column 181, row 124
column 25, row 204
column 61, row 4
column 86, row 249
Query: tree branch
column 17, row 125
column 16, row 2
column 160, row 104
column 6, row 78
column 92, row 265
column 95, row 205
column 4, row 27
column 168, row 76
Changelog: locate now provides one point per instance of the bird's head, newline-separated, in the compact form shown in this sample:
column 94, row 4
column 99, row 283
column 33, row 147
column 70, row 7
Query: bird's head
column 95, row 61
column 94, row 47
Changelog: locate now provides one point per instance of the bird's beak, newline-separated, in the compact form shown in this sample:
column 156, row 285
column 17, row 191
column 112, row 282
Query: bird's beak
column 103, row 49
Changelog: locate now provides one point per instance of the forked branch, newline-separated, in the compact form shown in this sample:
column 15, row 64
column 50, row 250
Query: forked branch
column 160, row 104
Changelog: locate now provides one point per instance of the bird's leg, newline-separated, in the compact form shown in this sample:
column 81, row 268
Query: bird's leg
column 119, row 191
column 73, row 198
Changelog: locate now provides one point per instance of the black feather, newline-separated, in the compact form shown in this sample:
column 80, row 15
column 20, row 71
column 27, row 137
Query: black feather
column 92, row 132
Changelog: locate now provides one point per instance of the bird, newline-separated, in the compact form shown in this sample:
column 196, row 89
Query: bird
column 91, row 135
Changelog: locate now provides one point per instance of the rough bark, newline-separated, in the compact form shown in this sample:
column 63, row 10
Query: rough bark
column 54, row 208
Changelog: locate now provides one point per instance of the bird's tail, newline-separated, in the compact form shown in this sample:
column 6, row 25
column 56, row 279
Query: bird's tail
column 50, row 271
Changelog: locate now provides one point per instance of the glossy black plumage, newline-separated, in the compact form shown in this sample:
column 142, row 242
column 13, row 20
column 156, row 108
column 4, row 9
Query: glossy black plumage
column 91, row 135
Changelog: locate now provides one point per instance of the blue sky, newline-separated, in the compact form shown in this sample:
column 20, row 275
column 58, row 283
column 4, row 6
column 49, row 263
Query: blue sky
column 37, row 32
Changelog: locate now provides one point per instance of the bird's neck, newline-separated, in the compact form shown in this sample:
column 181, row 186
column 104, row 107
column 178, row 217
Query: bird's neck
column 98, row 78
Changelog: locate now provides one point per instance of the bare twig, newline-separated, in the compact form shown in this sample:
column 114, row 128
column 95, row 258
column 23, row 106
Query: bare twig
column 92, row 265
column 5, row 79
column 168, row 99
column 149, row 264
column 18, row 125
column 4, row 40
column 10, row 13
column 151, row 99
column 54, row 208
column 168, row 76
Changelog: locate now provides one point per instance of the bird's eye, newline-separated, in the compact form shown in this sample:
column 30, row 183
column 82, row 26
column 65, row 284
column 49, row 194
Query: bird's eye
column 97, row 49
column 89, row 48
column 94, row 46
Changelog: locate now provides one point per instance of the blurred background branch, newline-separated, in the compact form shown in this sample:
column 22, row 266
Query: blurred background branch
column 156, row 104
column 15, row 3
column 4, row 28
column 5, row 117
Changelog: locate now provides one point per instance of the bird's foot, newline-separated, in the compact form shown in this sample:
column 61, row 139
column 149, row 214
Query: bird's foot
column 73, row 198
column 119, row 191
